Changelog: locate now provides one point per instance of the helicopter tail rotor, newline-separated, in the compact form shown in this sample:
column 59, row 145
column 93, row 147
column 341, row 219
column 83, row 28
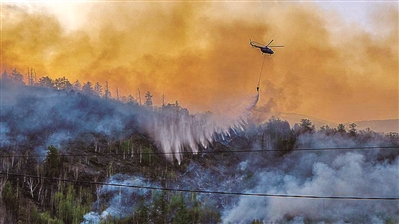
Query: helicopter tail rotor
column 251, row 42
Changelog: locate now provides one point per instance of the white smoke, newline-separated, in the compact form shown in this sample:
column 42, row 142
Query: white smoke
column 91, row 218
column 4, row 131
column 345, row 174
column 121, row 199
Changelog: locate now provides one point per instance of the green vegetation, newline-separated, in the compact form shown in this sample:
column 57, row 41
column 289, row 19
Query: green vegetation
column 61, row 188
column 51, row 200
column 174, row 208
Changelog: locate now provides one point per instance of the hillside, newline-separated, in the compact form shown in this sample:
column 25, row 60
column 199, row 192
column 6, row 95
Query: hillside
column 385, row 126
column 72, row 157
column 293, row 119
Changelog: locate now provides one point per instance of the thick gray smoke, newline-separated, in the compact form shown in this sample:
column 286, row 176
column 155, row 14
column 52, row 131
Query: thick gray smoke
column 358, row 173
column 346, row 174
column 4, row 134
column 350, row 172
column 41, row 117
column 46, row 117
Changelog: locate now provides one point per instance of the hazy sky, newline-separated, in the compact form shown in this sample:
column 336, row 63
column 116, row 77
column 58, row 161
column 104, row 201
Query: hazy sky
column 340, row 60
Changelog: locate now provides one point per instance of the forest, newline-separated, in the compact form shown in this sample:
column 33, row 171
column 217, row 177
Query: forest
column 73, row 153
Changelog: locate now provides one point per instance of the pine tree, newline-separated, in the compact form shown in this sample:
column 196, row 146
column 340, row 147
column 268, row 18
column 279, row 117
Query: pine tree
column 182, row 215
column 98, row 89
column 130, row 99
column 52, row 164
column 107, row 93
column 46, row 82
column 341, row 128
column 352, row 129
column 306, row 126
column 88, row 88
column 4, row 75
column 62, row 84
column 148, row 97
column 16, row 77
column 10, row 199
column 77, row 85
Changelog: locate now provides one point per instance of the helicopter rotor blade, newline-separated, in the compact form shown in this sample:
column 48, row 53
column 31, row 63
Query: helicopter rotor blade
column 277, row 46
column 269, row 43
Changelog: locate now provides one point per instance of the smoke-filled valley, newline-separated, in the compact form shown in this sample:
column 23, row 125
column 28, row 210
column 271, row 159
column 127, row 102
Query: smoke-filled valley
column 71, row 156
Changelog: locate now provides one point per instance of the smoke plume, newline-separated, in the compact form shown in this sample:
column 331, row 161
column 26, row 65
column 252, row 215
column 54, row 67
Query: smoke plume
column 347, row 174
column 198, row 53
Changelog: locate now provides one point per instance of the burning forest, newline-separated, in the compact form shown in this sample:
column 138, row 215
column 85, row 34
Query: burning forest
column 73, row 156
column 178, row 124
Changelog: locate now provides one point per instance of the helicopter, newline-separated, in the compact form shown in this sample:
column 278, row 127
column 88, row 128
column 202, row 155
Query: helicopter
column 265, row 49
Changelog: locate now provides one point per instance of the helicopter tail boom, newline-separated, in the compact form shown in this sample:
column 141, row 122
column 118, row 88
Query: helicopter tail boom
column 254, row 44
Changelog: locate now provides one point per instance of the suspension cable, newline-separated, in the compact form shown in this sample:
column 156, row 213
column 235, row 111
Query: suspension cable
column 200, row 191
column 260, row 74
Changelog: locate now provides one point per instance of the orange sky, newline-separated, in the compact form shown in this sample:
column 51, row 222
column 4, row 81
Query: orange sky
column 198, row 53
